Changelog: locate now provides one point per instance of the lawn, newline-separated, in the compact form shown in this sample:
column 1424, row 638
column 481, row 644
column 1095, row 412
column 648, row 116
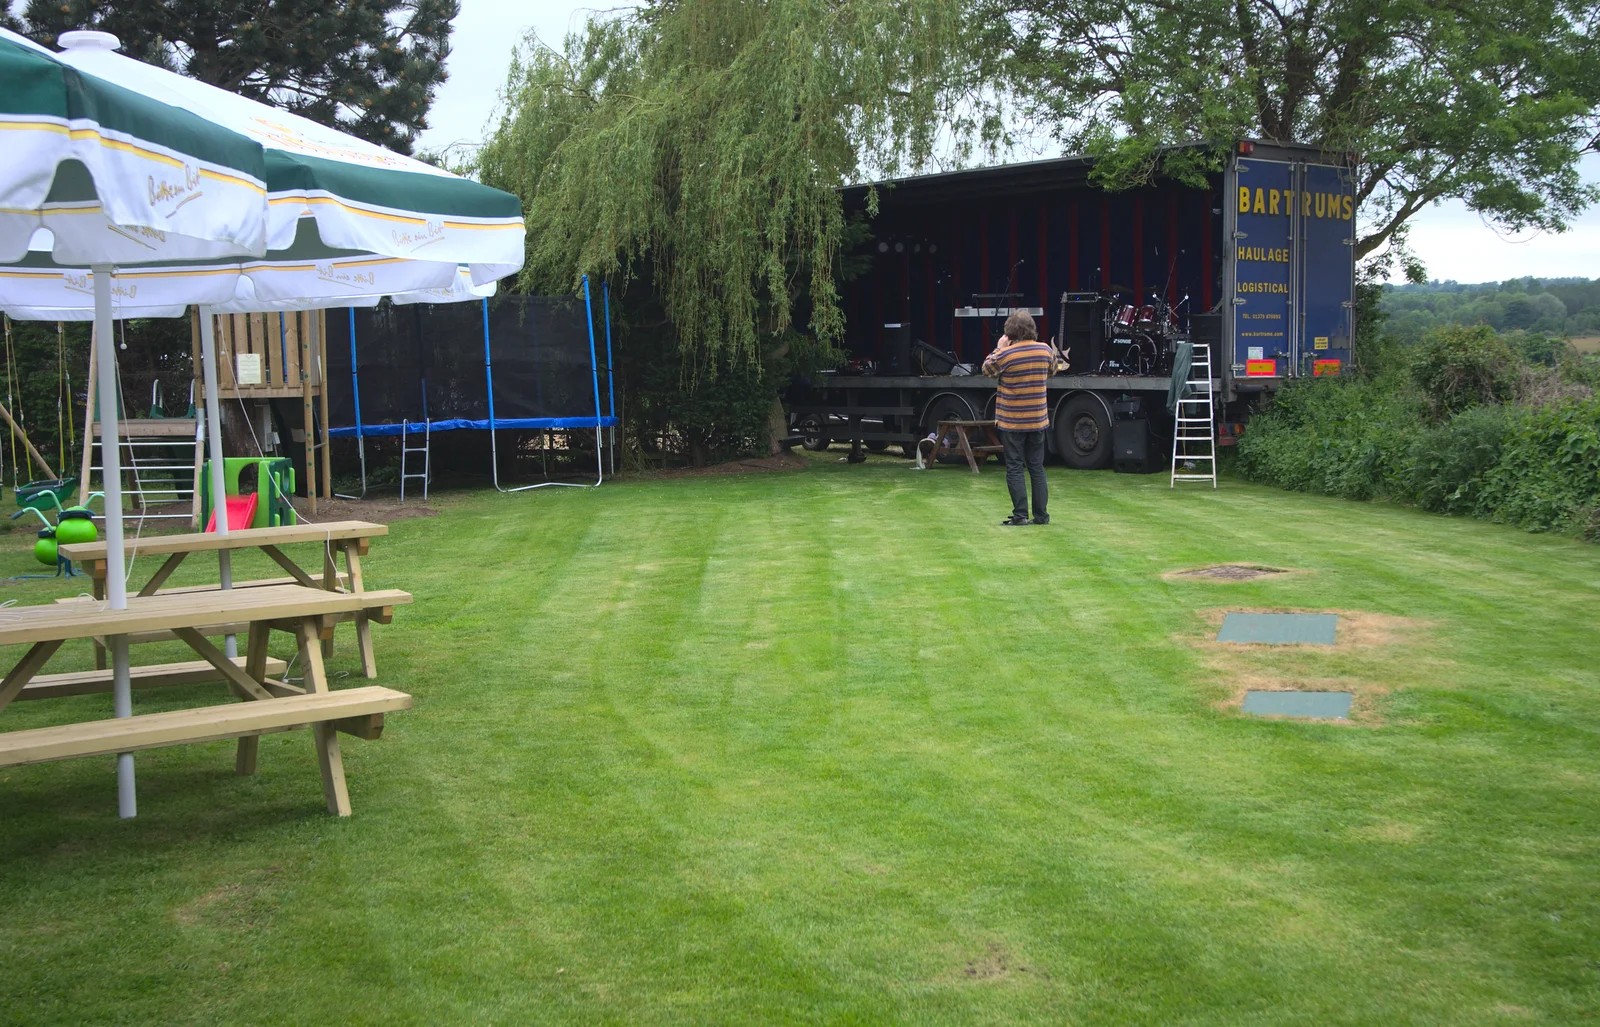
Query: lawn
column 830, row 745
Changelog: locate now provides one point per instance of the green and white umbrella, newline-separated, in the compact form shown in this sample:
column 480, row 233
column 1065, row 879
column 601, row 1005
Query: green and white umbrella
column 113, row 176
column 362, row 197
column 347, row 221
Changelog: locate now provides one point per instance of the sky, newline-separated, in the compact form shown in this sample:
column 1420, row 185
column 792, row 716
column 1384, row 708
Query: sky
column 1453, row 242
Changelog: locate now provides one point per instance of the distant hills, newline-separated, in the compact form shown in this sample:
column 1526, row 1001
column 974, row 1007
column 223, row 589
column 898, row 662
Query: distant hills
column 1556, row 307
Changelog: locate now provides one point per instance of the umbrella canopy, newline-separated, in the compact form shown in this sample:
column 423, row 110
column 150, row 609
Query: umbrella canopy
column 115, row 175
column 361, row 196
column 307, row 275
column 347, row 221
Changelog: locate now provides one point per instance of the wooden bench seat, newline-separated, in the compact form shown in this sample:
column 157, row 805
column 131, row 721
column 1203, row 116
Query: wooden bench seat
column 68, row 619
column 344, row 583
column 203, row 724
column 324, row 711
column 95, row 682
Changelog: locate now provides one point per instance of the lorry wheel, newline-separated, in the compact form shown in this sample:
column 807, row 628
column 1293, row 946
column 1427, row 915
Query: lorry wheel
column 946, row 408
column 810, row 427
column 1083, row 432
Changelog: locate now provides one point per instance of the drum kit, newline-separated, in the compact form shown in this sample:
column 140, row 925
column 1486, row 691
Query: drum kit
column 1140, row 337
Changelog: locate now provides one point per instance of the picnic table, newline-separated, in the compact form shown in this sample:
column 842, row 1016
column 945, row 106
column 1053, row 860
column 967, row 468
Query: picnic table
column 352, row 539
column 271, row 704
column 954, row 437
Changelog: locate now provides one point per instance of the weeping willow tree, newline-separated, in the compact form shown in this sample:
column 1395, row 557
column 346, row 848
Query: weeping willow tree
column 699, row 145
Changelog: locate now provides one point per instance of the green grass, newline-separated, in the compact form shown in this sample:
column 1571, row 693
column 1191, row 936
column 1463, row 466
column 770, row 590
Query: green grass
column 831, row 746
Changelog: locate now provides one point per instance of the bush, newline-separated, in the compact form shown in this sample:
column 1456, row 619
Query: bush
column 1446, row 463
column 1548, row 475
column 1339, row 436
column 1457, row 366
column 1538, row 347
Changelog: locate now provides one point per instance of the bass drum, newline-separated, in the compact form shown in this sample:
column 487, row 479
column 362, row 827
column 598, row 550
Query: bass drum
column 1081, row 429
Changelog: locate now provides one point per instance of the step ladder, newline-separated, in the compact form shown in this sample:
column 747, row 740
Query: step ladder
column 407, row 451
column 160, row 460
column 1194, row 434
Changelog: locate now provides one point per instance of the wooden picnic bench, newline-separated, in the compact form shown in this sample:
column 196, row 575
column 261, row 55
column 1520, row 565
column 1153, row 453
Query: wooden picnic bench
column 953, row 437
column 352, row 539
column 272, row 704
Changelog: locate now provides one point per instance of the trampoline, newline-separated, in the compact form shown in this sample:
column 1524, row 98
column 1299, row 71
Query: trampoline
column 507, row 362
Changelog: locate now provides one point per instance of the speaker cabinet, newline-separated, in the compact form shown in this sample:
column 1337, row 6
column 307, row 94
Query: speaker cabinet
column 1131, row 448
column 897, row 349
column 1083, row 331
column 1207, row 328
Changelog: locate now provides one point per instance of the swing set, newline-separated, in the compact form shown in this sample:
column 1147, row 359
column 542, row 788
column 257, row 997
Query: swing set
column 53, row 490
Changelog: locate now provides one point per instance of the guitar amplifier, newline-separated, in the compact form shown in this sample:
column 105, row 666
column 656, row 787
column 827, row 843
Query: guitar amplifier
column 1083, row 331
column 897, row 349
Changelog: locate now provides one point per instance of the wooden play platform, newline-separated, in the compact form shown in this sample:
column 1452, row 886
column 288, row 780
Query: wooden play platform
column 271, row 704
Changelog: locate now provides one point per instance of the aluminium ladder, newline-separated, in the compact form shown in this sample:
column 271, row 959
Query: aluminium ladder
column 1194, row 439
column 406, row 450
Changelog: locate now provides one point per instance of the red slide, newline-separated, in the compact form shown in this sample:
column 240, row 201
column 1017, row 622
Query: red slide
column 241, row 512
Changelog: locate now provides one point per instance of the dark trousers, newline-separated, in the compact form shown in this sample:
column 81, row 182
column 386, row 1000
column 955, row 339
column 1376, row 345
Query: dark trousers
column 1025, row 451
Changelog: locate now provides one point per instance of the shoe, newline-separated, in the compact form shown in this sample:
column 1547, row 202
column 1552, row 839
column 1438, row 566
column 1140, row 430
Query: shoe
column 1041, row 520
column 1013, row 521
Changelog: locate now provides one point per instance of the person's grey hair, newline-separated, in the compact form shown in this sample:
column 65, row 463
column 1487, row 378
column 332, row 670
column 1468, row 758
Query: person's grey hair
column 1020, row 327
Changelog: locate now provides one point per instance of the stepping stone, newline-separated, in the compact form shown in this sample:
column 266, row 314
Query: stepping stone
column 1315, row 705
column 1280, row 628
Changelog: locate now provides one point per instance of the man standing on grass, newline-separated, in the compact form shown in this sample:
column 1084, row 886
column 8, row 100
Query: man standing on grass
column 1022, row 364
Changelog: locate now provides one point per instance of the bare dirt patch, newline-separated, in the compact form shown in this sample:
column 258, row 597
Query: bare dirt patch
column 1230, row 572
column 378, row 509
column 1365, row 702
column 232, row 903
column 782, row 462
column 1371, row 649
column 1391, row 832
column 995, row 964
column 1357, row 629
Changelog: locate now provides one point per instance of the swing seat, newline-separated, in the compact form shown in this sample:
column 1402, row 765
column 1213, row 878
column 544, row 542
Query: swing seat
column 59, row 491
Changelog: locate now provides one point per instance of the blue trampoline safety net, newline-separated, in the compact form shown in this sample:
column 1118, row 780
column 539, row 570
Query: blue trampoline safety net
column 519, row 362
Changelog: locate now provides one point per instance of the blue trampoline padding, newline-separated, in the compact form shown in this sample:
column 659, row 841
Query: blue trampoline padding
column 460, row 423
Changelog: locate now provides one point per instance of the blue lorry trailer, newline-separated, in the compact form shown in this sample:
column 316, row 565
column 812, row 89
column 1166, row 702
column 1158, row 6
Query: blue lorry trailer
column 1259, row 264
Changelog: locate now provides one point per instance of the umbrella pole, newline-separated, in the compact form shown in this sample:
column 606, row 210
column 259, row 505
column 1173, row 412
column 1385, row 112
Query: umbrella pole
column 219, row 504
column 116, row 566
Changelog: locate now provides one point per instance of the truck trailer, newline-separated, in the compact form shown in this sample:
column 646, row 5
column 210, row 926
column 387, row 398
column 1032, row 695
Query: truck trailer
column 1259, row 265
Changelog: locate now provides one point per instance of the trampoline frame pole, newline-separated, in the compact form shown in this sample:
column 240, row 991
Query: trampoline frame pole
column 594, row 376
column 488, row 375
column 611, row 376
column 594, row 373
column 355, row 391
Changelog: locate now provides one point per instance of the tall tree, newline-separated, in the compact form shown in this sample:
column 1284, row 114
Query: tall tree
column 702, row 142
column 1492, row 101
column 367, row 67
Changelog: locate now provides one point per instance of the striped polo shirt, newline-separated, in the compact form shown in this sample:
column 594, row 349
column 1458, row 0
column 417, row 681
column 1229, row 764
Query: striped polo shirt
column 1022, row 368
